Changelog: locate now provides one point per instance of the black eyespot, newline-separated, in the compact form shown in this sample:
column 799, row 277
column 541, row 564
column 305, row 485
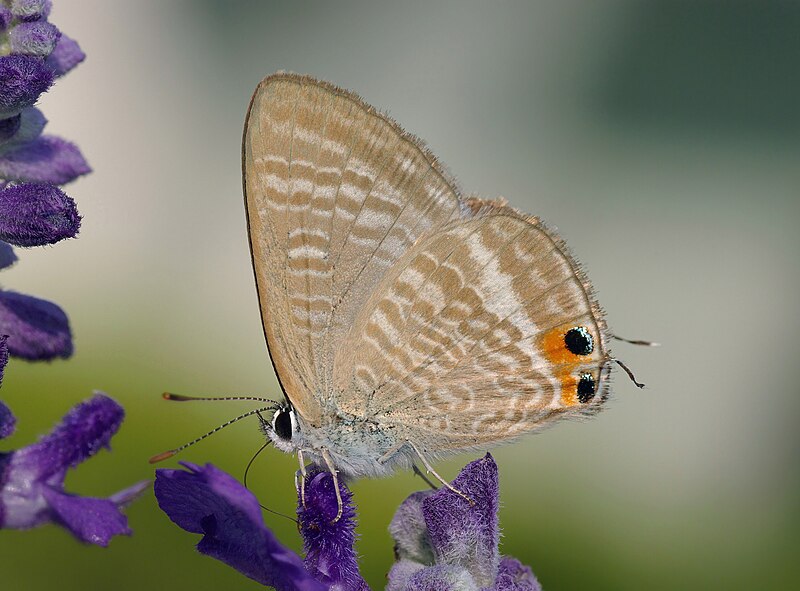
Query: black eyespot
column 586, row 388
column 283, row 424
column 579, row 341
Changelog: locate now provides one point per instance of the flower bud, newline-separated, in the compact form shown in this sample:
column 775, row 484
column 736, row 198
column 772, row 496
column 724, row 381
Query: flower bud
column 34, row 214
column 37, row 330
column 22, row 79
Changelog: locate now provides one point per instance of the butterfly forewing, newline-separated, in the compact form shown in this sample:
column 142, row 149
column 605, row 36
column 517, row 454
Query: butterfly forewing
column 335, row 193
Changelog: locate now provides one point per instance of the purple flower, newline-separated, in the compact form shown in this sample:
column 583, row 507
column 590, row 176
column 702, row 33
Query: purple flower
column 47, row 159
column 30, row 9
column 22, row 79
column 443, row 543
column 38, row 330
column 330, row 556
column 66, row 55
column 205, row 500
column 37, row 214
column 34, row 38
column 32, row 478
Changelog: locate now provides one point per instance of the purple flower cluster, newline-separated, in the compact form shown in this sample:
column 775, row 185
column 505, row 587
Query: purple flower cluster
column 34, row 211
column 443, row 543
column 32, row 478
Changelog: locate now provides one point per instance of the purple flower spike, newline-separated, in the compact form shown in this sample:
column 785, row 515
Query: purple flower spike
column 443, row 542
column 22, row 79
column 38, row 330
column 35, row 38
column 32, row 478
column 7, row 256
column 205, row 500
column 47, row 159
column 66, row 55
column 28, row 10
column 36, row 214
column 330, row 556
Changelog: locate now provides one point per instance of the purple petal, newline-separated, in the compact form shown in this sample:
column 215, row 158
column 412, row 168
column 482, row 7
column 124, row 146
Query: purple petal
column 5, row 18
column 30, row 123
column 22, row 79
column 442, row 577
column 514, row 576
column 90, row 520
column 66, row 55
column 38, row 330
column 30, row 9
column 7, row 256
column 34, row 214
column 7, row 421
column 127, row 495
column 330, row 555
column 401, row 572
column 3, row 354
column 47, row 159
column 36, row 38
column 467, row 534
column 9, row 127
column 206, row 500
column 409, row 531
column 86, row 429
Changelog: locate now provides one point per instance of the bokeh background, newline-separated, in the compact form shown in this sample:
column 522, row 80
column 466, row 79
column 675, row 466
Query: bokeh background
column 662, row 138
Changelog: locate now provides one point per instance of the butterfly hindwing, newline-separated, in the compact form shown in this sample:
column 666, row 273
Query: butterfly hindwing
column 464, row 343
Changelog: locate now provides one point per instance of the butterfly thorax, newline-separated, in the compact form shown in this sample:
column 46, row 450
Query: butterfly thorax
column 357, row 446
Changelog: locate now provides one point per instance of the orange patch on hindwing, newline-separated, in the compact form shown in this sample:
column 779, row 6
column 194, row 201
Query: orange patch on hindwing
column 567, row 364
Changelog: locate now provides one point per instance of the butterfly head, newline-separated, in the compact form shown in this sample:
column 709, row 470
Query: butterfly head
column 284, row 428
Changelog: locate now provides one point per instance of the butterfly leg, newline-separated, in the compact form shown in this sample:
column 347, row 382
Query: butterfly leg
column 424, row 476
column 301, row 486
column 335, row 473
column 430, row 470
column 396, row 449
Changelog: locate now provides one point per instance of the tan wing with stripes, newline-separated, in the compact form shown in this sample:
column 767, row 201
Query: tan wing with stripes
column 464, row 342
column 335, row 193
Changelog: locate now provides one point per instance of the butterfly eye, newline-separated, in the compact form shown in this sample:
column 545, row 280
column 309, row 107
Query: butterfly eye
column 282, row 423
column 586, row 388
column 579, row 341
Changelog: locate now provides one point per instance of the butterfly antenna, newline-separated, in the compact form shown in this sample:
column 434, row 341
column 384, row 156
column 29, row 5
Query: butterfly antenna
column 244, row 481
column 636, row 341
column 627, row 371
column 181, row 398
column 172, row 452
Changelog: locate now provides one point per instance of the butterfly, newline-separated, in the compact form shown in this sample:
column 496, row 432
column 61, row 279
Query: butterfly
column 404, row 321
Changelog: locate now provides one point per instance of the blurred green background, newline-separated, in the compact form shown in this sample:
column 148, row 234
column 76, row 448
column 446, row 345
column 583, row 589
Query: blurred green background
column 662, row 138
